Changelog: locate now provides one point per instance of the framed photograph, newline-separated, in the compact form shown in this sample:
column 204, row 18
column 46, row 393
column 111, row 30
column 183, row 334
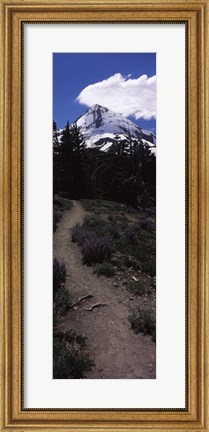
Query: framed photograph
column 104, row 127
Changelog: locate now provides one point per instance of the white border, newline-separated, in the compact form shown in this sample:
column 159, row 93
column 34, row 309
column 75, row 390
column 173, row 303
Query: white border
column 168, row 390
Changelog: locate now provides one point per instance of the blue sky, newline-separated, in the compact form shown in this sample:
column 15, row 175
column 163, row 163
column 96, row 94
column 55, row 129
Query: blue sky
column 74, row 72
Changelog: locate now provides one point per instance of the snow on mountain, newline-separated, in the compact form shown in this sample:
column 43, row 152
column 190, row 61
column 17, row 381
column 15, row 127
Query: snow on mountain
column 101, row 126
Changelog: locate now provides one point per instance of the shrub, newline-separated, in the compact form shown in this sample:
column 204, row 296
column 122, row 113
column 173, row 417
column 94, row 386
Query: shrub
column 61, row 303
column 61, row 296
column 67, row 204
column 91, row 226
column 146, row 224
column 110, row 218
column 70, row 361
column 62, row 203
column 123, row 246
column 144, row 250
column 132, row 233
column 71, row 337
column 122, row 218
column 142, row 321
column 59, row 275
column 133, row 262
column 113, row 231
column 105, row 268
column 140, row 287
column 132, row 211
column 57, row 216
column 80, row 235
column 58, row 202
column 95, row 250
column 117, row 261
column 88, row 205
column 93, row 222
column 149, row 267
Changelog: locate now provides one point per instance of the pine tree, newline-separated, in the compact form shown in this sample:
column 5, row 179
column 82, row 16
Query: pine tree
column 79, row 162
column 126, row 173
column 55, row 160
column 70, row 162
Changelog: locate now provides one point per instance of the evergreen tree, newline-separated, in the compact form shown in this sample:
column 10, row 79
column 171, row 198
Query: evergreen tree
column 126, row 173
column 55, row 160
column 70, row 162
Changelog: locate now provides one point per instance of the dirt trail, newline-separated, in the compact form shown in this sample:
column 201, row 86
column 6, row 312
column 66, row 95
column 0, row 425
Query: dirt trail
column 115, row 349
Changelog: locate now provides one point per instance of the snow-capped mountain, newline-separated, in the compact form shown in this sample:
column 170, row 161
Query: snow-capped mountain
column 102, row 128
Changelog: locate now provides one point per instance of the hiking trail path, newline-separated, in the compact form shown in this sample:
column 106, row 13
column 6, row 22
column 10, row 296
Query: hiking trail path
column 113, row 346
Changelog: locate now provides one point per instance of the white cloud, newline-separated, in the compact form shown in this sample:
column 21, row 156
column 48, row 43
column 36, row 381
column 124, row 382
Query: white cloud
column 136, row 97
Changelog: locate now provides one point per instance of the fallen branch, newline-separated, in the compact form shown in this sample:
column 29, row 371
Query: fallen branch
column 96, row 305
column 135, row 279
column 89, row 296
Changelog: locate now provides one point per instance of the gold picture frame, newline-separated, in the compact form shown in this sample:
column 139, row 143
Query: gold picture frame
column 196, row 15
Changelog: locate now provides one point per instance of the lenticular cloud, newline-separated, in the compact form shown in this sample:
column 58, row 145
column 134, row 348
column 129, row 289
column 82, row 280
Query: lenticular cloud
column 136, row 97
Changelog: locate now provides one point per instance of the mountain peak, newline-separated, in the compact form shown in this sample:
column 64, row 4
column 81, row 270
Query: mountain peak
column 102, row 127
column 97, row 107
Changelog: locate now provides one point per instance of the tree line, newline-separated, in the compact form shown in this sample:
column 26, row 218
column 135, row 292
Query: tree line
column 126, row 173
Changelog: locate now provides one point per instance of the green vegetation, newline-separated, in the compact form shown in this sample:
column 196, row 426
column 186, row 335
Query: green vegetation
column 116, row 237
column 105, row 269
column 140, row 287
column 149, row 267
column 62, row 203
column 125, row 174
column 57, row 216
column 61, row 296
column 69, row 162
column 143, row 321
column 70, row 359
